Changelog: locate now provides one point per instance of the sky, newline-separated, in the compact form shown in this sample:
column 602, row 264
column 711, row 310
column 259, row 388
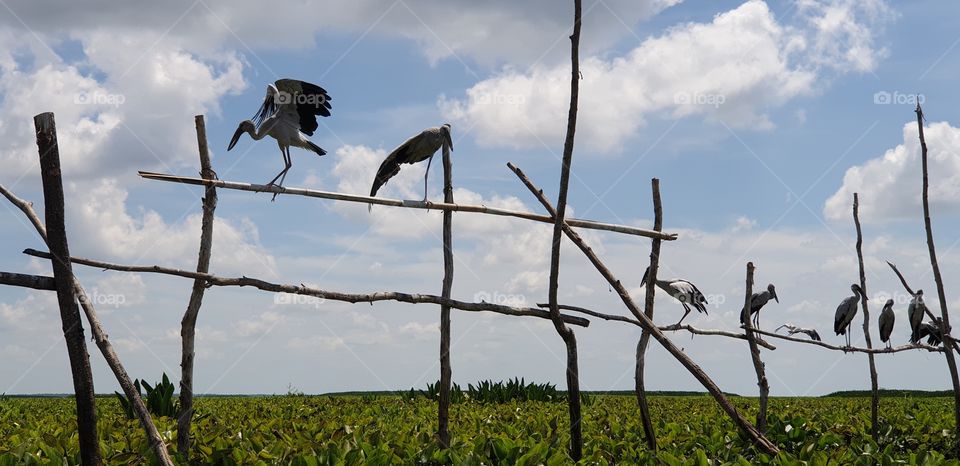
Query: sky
column 761, row 119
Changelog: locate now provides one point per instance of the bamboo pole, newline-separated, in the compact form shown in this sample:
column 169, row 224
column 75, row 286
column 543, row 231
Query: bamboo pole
column 567, row 334
column 755, row 351
column 666, row 328
column 948, row 341
column 188, row 325
column 479, row 209
column 50, row 175
column 410, row 298
column 851, row 349
column 874, row 386
column 36, row 282
column 446, row 372
column 748, row 429
column 639, row 386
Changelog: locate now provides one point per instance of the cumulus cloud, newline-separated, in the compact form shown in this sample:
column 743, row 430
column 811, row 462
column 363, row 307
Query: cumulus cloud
column 890, row 185
column 733, row 69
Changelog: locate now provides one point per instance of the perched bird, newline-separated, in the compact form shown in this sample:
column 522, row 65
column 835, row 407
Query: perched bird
column 846, row 311
column 931, row 330
column 681, row 290
column 416, row 149
column 289, row 111
column 915, row 312
column 887, row 319
column 758, row 300
column 793, row 330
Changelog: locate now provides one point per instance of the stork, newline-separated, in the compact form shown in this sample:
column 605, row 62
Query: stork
column 758, row 300
column 289, row 111
column 416, row 149
column 793, row 330
column 915, row 312
column 931, row 330
column 681, row 290
column 846, row 311
column 887, row 319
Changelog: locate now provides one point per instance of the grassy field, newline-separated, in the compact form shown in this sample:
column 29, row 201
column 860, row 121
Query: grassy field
column 312, row 430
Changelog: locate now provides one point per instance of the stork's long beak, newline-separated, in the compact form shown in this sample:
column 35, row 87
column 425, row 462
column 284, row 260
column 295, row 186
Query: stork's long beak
column 236, row 137
column 776, row 298
column 646, row 273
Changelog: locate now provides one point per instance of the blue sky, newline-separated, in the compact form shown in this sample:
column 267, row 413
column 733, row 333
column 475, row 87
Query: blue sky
column 760, row 119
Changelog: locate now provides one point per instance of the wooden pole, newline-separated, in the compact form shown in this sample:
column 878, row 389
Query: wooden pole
column 446, row 373
column 649, row 433
column 569, row 338
column 28, row 281
column 948, row 341
column 755, row 352
column 748, row 429
column 188, row 324
column 50, row 175
column 874, row 386
column 478, row 209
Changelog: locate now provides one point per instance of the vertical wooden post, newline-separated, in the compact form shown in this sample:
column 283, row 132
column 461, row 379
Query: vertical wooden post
column 446, row 373
column 755, row 352
column 188, row 324
column 651, row 292
column 46, row 134
column 874, row 388
column 569, row 338
column 948, row 341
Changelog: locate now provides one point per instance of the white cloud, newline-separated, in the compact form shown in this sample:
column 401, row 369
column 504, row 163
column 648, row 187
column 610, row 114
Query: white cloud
column 890, row 185
column 733, row 69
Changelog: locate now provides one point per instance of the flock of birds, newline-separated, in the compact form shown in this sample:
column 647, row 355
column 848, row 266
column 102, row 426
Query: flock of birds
column 688, row 294
column 289, row 114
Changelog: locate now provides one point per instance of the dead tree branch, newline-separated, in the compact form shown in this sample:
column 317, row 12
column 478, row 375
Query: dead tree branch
column 755, row 351
column 851, row 349
column 446, row 372
column 36, row 282
column 755, row 436
column 874, row 386
column 639, row 386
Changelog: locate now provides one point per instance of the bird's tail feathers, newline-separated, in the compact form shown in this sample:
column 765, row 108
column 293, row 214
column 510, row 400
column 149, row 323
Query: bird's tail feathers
column 316, row 148
column 387, row 170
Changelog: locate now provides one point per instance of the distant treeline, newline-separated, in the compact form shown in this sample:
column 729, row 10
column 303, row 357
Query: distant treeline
column 892, row 393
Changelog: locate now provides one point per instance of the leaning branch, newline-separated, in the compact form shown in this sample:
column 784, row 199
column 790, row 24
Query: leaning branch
column 37, row 282
column 411, row 298
column 851, row 349
column 589, row 224
column 666, row 328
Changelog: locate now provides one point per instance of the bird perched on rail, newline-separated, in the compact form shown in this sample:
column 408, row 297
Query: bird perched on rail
column 793, row 330
column 915, row 312
column 846, row 311
column 687, row 293
column 758, row 300
column 289, row 111
column 887, row 318
column 416, row 149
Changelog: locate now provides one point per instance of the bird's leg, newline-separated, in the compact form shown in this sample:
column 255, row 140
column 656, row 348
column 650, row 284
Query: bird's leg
column 287, row 164
column 425, row 176
column 686, row 310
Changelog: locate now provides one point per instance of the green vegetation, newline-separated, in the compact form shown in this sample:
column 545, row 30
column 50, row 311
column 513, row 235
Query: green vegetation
column 488, row 391
column 383, row 429
column 159, row 399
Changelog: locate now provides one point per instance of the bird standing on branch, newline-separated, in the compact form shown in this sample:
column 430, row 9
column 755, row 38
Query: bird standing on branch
column 681, row 290
column 416, row 149
column 915, row 312
column 758, row 300
column 887, row 318
column 846, row 311
column 289, row 111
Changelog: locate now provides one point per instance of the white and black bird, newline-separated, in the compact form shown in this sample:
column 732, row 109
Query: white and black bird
column 931, row 330
column 288, row 113
column 793, row 330
column 846, row 311
column 887, row 319
column 915, row 312
column 687, row 293
column 416, row 149
column 758, row 300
